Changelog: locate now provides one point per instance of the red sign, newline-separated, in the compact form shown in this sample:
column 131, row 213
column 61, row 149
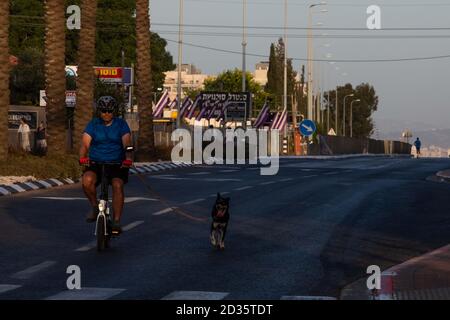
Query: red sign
column 108, row 74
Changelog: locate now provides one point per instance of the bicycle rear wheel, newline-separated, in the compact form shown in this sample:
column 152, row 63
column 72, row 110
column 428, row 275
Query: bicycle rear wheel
column 101, row 238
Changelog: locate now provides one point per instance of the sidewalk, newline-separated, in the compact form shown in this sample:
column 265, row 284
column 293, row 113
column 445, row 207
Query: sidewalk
column 444, row 175
column 423, row 278
column 138, row 168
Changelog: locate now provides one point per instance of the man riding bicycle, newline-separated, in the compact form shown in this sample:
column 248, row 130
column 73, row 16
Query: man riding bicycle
column 105, row 139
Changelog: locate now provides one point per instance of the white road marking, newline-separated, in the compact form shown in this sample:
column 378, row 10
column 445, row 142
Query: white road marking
column 227, row 171
column 220, row 180
column 86, row 294
column 195, row 295
column 160, row 212
column 133, row 199
column 330, row 173
column 127, row 200
column 225, row 192
column 132, row 225
column 30, row 272
column 312, row 176
column 286, row 180
column 193, row 201
column 169, row 178
column 198, row 173
column 8, row 287
column 306, row 298
column 267, row 183
column 87, row 247
column 253, row 168
column 16, row 187
column 243, row 188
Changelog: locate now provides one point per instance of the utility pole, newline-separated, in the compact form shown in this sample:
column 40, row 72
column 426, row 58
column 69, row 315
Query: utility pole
column 244, row 67
column 180, row 62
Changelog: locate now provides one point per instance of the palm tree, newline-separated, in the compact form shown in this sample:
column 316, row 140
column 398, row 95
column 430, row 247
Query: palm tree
column 146, row 139
column 85, row 81
column 55, row 77
column 4, row 78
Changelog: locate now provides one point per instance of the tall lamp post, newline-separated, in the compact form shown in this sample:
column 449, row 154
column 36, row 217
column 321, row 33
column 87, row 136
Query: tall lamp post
column 244, row 44
column 351, row 116
column 180, row 59
column 343, row 116
column 310, row 63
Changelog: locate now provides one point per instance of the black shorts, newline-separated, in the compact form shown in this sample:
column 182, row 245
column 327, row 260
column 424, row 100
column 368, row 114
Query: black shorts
column 111, row 170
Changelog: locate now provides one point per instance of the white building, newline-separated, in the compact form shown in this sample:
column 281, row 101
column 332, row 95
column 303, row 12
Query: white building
column 191, row 79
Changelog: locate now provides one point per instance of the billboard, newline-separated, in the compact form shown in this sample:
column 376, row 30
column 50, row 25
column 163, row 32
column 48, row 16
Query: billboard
column 30, row 118
column 238, row 104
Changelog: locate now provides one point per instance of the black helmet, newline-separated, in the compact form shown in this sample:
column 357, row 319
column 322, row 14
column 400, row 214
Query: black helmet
column 106, row 103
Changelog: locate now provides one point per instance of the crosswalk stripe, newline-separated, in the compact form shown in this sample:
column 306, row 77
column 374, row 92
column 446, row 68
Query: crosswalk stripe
column 195, row 295
column 132, row 225
column 193, row 201
column 307, row 298
column 158, row 213
column 87, row 247
column 86, row 294
column 31, row 271
column 243, row 188
column 8, row 287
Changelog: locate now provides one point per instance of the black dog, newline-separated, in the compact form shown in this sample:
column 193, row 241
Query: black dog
column 220, row 216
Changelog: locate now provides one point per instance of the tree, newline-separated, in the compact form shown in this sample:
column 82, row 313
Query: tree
column 231, row 81
column 146, row 138
column 85, row 82
column 27, row 77
column 275, row 74
column 363, row 126
column 55, row 77
column 4, row 78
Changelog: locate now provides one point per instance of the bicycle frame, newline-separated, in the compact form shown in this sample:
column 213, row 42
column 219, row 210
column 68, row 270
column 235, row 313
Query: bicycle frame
column 103, row 202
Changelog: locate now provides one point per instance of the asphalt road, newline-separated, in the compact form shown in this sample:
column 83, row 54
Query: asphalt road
column 308, row 231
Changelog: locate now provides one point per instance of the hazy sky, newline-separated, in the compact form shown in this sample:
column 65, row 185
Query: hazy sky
column 414, row 94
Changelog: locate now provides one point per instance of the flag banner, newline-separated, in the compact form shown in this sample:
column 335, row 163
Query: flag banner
column 187, row 103
column 197, row 103
column 275, row 121
column 283, row 120
column 262, row 115
column 163, row 101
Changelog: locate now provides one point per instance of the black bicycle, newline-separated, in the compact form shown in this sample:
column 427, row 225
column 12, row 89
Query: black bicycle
column 103, row 227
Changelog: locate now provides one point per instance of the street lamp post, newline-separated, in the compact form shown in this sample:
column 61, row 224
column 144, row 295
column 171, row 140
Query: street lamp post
column 310, row 63
column 244, row 44
column 343, row 116
column 351, row 116
column 180, row 59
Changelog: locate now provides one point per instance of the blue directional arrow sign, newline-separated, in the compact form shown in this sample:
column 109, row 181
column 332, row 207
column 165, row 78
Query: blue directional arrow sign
column 307, row 128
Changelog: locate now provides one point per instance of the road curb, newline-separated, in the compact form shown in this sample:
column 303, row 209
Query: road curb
column 139, row 168
column 444, row 175
column 348, row 156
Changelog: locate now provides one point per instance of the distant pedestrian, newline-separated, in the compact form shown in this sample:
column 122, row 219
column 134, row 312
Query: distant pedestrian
column 24, row 136
column 41, row 140
column 417, row 144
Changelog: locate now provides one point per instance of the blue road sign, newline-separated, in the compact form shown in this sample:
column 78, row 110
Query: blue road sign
column 307, row 128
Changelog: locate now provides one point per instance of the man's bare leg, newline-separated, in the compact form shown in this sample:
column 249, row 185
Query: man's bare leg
column 88, row 181
column 118, row 198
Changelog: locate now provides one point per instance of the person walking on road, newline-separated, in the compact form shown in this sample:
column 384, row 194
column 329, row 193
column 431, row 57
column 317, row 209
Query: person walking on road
column 24, row 136
column 417, row 144
column 41, row 142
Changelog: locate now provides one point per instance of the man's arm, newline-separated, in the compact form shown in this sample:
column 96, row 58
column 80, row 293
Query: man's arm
column 85, row 145
column 126, row 142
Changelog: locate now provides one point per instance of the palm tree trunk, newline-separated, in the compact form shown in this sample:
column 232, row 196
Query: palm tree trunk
column 4, row 78
column 85, row 81
column 55, row 77
column 146, row 139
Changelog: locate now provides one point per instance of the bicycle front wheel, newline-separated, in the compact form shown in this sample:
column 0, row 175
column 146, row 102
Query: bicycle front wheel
column 101, row 238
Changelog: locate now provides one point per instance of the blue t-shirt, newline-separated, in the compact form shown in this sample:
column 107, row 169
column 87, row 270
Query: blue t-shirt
column 106, row 144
